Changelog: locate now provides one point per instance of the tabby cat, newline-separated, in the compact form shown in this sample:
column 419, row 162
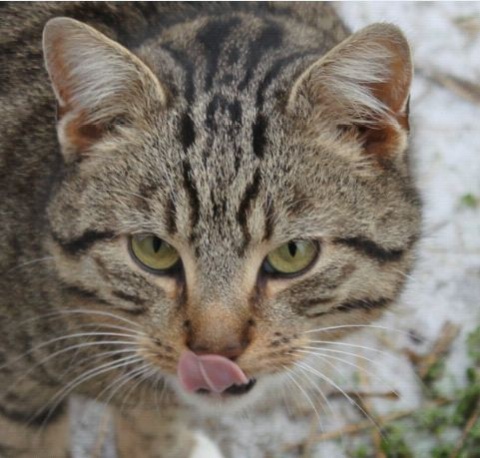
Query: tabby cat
column 190, row 193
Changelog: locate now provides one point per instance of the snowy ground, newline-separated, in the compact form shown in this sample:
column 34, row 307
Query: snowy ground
column 445, row 38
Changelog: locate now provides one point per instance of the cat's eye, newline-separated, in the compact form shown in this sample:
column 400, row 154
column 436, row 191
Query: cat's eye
column 154, row 253
column 292, row 258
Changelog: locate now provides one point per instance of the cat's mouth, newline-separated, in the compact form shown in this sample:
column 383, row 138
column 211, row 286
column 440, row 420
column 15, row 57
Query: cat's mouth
column 234, row 390
column 212, row 375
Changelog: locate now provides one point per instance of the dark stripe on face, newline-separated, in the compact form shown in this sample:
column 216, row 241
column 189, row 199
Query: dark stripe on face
column 84, row 242
column 217, row 103
column 251, row 193
column 31, row 418
column 187, row 131
column 309, row 303
column 129, row 298
column 357, row 304
column 84, row 294
column 275, row 70
column 222, row 105
column 235, row 109
column 147, row 189
column 371, row 249
column 188, row 70
column 171, row 216
column 322, row 285
column 270, row 38
column 365, row 304
column 212, row 36
column 192, row 193
column 259, row 128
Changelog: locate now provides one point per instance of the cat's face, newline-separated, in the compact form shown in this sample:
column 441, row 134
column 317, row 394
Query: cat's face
column 215, row 228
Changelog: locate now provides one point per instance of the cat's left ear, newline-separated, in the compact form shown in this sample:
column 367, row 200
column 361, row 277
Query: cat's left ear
column 96, row 81
column 361, row 87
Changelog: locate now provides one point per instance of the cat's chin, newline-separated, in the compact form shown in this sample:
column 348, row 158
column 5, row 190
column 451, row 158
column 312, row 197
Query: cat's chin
column 231, row 401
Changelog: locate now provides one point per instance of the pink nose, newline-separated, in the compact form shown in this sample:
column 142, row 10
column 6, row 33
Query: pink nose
column 210, row 372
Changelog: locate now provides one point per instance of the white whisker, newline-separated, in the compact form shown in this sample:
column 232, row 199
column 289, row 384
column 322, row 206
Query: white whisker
column 349, row 363
column 70, row 336
column 346, row 344
column 336, row 386
column 332, row 350
column 349, row 326
column 290, row 375
column 120, row 382
column 28, row 263
column 65, row 390
column 146, row 372
column 89, row 312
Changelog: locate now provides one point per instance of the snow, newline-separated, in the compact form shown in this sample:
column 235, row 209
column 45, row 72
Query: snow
column 445, row 285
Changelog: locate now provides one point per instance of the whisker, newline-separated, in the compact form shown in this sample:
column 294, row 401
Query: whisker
column 65, row 350
column 102, row 355
column 128, row 193
column 335, row 385
column 162, row 394
column 112, row 326
column 69, row 336
column 59, row 314
column 332, row 350
column 125, row 378
column 146, row 372
column 289, row 373
column 320, row 392
column 349, row 326
column 404, row 274
column 28, row 263
column 64, row 391
column 346, row 344
column 356, row 366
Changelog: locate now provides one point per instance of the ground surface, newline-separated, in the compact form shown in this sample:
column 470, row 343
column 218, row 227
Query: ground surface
column 445, row 287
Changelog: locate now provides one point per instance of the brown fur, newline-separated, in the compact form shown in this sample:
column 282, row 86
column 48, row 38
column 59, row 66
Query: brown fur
column 226, row 130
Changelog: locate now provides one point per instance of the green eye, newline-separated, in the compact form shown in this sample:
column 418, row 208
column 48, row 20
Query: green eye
column 152, row 252
column 292, row 257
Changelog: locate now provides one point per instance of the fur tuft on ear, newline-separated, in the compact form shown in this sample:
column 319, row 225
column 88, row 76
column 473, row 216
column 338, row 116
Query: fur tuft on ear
column 95, row 81
column 362, row 84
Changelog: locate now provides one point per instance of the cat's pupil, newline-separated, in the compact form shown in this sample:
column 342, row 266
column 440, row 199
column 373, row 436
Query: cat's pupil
column 292, row 249
column 157, row 243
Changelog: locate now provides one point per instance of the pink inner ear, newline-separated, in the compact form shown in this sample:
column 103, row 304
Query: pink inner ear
column 82, row 135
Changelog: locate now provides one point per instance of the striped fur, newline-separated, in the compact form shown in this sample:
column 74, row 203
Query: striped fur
column 224, row 129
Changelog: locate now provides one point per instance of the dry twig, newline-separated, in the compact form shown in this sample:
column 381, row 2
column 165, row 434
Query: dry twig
column 362, row 426
column 469, row 425
column 466, row 89
column 441, row 347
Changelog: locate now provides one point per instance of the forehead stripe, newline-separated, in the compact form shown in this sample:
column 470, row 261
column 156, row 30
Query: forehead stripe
column 371, row 249
column 212, row 36
column 193, row 198
column 82, row 243
column 251, row 193
column 270, row 38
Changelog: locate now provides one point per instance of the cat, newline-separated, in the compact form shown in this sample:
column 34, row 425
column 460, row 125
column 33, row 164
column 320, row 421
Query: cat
column 191, row 193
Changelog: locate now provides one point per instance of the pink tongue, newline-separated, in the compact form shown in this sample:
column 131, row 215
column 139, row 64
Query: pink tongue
column 210, row 372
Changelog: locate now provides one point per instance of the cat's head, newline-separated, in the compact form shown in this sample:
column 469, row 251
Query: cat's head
column 212, row 219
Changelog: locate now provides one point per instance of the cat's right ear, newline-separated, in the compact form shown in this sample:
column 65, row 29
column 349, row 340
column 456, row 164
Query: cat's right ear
column 361, row 89
column 96, row 82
